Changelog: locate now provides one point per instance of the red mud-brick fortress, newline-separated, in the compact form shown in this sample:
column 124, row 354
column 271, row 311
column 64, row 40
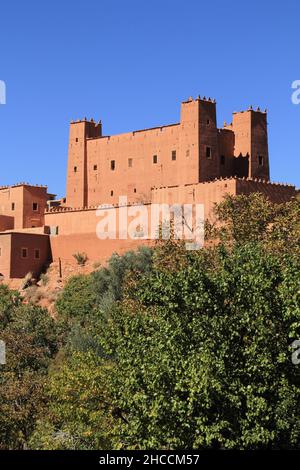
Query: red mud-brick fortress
column 188, row 162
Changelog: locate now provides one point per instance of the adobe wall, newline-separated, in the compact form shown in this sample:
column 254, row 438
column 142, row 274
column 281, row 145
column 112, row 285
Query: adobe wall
column 77, row 228
column 226, row 151
column 208, row 194
column 77, row 233
column 65, row 246
column 11, row 204
column 72, row 221
column 6, row 223
column 21, row 266
column 251, row 138
column 277, row 193
column 80, row 131
column 38, row 195
column 17, row 202
column 211, row 193
column 136, row 180
column 5, row 254
column 259, row 146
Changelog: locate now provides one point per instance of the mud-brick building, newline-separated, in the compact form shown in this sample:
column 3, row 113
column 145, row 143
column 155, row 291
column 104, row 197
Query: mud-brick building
column 24, row 240
column 191, row 161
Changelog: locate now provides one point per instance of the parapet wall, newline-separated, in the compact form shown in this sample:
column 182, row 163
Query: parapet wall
column 276, row 192
column 213, row 192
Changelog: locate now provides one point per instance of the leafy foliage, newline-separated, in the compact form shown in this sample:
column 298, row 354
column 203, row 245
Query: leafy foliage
column 165, row 348
column 203, row 358
column 77, row 416
column 31, row 342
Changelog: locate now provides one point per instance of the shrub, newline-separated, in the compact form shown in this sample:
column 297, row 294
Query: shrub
column 27, row 281
column 96, row 265
column 81, row 258
column 44, row 279
column 78, row 299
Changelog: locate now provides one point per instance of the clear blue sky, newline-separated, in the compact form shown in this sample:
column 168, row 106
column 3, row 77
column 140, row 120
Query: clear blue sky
column 130, row 63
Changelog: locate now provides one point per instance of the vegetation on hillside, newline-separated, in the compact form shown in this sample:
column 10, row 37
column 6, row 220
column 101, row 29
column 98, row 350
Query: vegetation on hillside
column 165, row 348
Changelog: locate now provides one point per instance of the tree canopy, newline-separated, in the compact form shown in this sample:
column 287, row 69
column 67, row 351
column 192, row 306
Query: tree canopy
column 165, row 348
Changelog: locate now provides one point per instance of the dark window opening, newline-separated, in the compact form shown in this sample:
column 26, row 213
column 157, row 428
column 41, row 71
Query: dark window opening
column 95, row 167
column 13, row 206
column 187, row 153
column 208, row 122
column 222, row 160
column 111, row 193
column 208, row 152
column 154, row 158
column 112, row 165
column 76, row 140
column 36, row 254
column 173, row 154
column 75, row 169
column 260, row 160
column 134, row 190
column 35, row 206
column 130, row 162
column 24, row 253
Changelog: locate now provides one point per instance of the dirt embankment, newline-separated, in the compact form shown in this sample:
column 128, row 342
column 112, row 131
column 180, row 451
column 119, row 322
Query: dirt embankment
column 44, row 291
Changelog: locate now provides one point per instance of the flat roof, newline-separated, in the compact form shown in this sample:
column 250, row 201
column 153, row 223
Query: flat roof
column 23, row 184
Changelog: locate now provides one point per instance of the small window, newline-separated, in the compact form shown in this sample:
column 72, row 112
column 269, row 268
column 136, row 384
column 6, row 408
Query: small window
column 222, row 159
column 75, row 169
column 13, row 206
column 173, row 155
column 36, row 253
column 208, row 152
column 134, row 190
column 111, row 193
column 130, row 162
column 35, row 206
column 187, row 153
column 207, row 122
column 154, row 158
column 95, row 167
column 112, row 164
column 76, row 140
column 260, row 160
column 24, row 253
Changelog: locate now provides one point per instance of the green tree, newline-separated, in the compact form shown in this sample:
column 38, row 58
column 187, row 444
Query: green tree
column 78, row 412
column 8, row 300
column 77, row 301
column 175, row 349
column 254, row 218
column 31, row 342
column 202, row 355
column 87, row 300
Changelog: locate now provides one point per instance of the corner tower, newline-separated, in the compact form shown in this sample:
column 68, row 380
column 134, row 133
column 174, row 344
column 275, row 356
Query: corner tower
column 77, row 187
column 251, row 142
